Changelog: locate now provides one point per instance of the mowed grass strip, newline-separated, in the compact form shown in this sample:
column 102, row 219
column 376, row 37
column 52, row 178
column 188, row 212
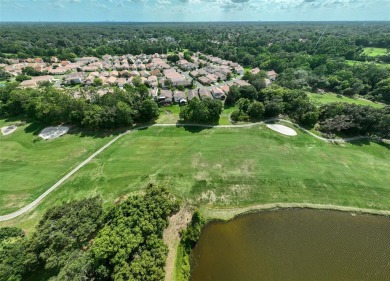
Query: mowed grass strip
column 30, row 165
column 331, row 97
column 375, row 52
column 354, row 62
column 232, row 167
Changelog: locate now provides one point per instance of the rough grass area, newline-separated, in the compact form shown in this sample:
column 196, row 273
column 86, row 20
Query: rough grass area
column 221, row 167
column 225, row 116
column 29, row 165
column 330, row 97
column 355, row 62
column 375, row 52
column 168, row 114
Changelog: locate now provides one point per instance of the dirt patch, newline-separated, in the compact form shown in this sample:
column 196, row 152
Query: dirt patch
column 282, row 129
column 171, row 237
column 50, row 133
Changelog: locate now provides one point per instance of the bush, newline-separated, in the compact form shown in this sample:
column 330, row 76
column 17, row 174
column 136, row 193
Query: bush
column 238, row 116
column 256, row 110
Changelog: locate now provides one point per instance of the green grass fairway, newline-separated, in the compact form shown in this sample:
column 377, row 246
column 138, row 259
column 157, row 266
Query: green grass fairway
column 231, row 167
column 374, row 52
column 330, row 97
column 30, row 165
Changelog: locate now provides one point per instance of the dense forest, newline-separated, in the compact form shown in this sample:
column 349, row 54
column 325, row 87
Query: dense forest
column 81, row 240
column 247, row 43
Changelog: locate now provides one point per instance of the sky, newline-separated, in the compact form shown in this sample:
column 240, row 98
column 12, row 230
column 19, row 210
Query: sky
column 193, row 10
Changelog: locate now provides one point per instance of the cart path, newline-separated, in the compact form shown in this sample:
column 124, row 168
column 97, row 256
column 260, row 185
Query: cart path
column 34, row 203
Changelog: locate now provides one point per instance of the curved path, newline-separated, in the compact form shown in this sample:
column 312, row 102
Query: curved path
column 34, row 203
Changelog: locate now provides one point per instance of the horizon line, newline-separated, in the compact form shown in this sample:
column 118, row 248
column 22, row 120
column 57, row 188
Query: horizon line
column 232, row 21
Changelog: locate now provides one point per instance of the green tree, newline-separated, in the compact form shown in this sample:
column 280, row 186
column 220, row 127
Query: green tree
column 148, row 110
column 205, row 110
column 30, row 71
column 256, row 110
column 382, row 90
column 97, row 82
column 137, row 81
column 173, row 58
column 22, row 77
column 4, row 75
column 233, row 95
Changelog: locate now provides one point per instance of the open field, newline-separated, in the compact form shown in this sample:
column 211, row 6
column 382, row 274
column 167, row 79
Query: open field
column 29, row 165
column 225, row 167
column 330, row 97
column 374, row 52
column 355, row 62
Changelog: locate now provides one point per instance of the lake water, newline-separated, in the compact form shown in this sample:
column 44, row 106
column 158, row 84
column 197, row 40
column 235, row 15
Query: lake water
column 294, row 244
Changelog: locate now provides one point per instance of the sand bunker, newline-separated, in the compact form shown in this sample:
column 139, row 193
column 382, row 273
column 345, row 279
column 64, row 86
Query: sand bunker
column 8, row 129
column 50, row 133
column 282, row 129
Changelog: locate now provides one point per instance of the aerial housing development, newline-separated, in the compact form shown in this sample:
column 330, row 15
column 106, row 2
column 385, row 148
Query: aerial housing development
column 169, row 82
column 178, row 151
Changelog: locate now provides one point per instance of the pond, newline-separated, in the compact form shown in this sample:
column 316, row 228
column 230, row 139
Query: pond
column 294, row 244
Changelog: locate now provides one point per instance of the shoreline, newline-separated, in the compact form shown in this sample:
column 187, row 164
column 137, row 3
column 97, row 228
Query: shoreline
column 226, row 214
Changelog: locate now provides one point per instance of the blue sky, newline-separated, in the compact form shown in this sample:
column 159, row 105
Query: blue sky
column 194, row 10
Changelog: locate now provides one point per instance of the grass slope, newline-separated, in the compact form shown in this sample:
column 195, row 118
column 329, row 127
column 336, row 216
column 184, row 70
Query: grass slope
column 30, row 165
column 330, row 97
column 232, row 167
column 374, row 52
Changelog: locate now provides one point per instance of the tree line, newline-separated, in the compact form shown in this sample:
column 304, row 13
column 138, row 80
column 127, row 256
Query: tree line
column 49, row 105
column 334, row 118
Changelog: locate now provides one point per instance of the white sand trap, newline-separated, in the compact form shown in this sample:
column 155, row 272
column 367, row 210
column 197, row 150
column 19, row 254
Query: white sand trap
column 8, row 129
column 282, row 129
column 50, row 133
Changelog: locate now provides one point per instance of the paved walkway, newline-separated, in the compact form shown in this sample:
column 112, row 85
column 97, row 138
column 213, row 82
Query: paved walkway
column 28, row 207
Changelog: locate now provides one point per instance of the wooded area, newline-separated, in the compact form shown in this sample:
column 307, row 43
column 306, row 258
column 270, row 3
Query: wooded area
column 81, row 240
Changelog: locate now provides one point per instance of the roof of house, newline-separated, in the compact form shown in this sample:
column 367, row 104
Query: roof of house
column 75, row 75
column 152, row 78
column 271, row 73
column 28, row 83
column 179, row 95
column 217, row 91
column 204, row 80
column 255, row 70
column 111, row 80
column 204, row 93
column 192, row 94
column 212, row 77
column 43, row 78
column 166, row 93
column 241, row 83
column 225, row 88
